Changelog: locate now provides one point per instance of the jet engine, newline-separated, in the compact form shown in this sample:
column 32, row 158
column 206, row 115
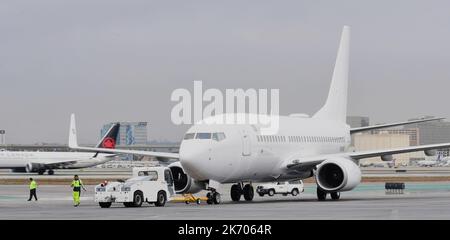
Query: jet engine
column 338, row 174
column 34, row 167
column 430, row 153
column 183, row 182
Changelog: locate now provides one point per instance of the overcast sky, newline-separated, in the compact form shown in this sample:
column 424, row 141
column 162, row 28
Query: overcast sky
column 120, row 60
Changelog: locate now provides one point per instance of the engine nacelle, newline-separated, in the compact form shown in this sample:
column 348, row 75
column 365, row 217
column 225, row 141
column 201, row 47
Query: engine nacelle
column 387, row 158
column 430, row 153
column 183, row 182
column 34, row 167
column 338, row 174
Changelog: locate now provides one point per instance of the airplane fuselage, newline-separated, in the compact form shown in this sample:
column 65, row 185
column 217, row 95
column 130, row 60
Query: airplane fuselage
column 19, row 159
column 247, row 155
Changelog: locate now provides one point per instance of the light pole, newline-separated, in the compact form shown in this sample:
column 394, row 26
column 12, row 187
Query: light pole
column 2, row 137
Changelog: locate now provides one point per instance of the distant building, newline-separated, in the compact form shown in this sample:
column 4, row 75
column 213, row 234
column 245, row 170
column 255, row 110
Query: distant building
column 413, row 134
column 130, row 133
column 432, row 132
column 357, row 121
column 382, row 140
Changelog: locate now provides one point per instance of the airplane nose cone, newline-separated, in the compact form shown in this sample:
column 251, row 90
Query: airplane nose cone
column 193, row 159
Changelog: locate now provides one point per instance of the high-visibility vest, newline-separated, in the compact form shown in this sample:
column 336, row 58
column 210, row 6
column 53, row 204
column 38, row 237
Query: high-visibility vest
column 76, row 184
column 33, row 185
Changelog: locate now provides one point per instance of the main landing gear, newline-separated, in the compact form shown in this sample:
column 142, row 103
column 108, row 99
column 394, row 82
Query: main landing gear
column 42, row 171
column 322, row 195
column 239, row 189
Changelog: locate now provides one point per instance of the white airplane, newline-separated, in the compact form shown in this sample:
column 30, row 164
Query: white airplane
column 304, row 147
column 39, row 162
column 440, row 161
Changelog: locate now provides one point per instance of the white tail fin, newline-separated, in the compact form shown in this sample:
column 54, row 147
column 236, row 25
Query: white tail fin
column 335, row 107
column 73, row 143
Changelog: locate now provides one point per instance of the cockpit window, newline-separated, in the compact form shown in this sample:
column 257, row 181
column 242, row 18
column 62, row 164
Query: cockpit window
column 203, row 136
column 218, row 136
column 189, row 136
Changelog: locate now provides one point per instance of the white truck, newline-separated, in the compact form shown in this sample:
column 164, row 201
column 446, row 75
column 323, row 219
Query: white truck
column 148, row 184
column 285, row 188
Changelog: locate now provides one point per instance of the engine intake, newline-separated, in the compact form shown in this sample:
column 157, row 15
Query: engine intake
column 183, row 182
column 338, row 174
column 34, row 167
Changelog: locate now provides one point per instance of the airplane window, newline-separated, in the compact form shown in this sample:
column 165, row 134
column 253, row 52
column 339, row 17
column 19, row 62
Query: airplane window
column 219, row 136
column 189, row 136
column 203, row 136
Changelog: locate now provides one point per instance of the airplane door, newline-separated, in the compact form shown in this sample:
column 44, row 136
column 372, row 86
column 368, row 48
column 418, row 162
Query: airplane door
column 246, row 144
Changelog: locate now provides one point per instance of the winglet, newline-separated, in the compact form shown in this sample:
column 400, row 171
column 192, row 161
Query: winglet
column 73, row 143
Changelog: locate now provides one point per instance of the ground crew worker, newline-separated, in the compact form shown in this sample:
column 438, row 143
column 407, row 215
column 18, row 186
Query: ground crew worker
column 33, row 187
column 77, row 184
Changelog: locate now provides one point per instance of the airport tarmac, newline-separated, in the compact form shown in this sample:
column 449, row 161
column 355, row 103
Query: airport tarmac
column 368, row 201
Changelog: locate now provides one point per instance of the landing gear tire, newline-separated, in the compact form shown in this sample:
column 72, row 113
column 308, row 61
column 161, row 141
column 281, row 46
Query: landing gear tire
column 213, row 198
column 335, row 195
column 105, row 204
column 209, row 198
column 50, row 172
column 161, row 199
column 216, row 198
column 248, row 192
column 236, row 192
column 321, row 194
column 138, row 199
column 294, row 192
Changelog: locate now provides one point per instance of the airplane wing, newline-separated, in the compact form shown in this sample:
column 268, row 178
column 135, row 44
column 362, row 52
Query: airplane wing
column 308, row 163
column 73, row 144
column 164, row 155
column 368, row 128
column 377, row 153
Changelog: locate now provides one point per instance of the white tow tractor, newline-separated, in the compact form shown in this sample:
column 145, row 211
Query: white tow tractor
column 148, row 184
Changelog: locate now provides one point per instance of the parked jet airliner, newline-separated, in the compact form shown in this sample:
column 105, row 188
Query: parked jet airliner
column 47, row 161
column 304, row 147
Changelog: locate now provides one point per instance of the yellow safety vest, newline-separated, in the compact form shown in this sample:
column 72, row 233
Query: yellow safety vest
column 33, row 185
column 76, row 184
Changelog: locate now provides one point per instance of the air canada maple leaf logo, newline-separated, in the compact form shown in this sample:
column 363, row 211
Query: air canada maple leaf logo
column 108, row 143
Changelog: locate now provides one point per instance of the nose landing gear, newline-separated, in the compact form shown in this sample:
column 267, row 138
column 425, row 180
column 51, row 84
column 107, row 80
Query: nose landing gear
column 213, row 197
